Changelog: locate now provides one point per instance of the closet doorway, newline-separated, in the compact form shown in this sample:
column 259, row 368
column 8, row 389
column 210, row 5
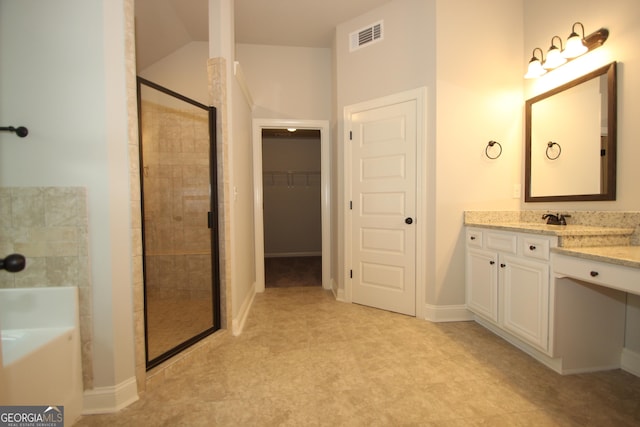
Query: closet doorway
column 291, row 178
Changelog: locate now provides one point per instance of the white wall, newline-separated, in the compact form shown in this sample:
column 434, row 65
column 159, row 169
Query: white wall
column 62, row 75
column 479, row 98
column 287, row 82
column 184, row 71
column 474, row 95
column 621, row 18
column 244, row 261
column 236, row 125
column 404, row 60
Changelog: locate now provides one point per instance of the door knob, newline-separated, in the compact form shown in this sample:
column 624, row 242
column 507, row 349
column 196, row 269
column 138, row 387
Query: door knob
column 409, row 220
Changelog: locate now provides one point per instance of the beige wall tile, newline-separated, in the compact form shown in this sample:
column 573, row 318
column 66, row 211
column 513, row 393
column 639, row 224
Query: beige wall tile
column 49, row 226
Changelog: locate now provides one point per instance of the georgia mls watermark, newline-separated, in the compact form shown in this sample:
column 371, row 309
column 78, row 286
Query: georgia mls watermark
column 31, row 416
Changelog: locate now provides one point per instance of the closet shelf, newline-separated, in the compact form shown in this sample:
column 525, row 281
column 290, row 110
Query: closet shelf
column 291, row 178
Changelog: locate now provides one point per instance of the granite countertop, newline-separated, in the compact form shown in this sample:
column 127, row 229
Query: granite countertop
column 615, row 245
column 553, row 230
column 628, row 256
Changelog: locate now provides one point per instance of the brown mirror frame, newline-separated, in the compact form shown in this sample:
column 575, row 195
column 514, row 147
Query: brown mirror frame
column 610, row 192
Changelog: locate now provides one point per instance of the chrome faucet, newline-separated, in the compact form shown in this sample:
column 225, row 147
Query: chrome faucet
column 557, row 219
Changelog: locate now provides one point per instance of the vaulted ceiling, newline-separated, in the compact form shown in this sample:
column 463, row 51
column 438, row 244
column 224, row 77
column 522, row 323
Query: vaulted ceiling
column 164, row 26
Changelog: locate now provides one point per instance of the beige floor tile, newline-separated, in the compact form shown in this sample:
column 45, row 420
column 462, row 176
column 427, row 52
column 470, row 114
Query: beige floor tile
column 305, row 359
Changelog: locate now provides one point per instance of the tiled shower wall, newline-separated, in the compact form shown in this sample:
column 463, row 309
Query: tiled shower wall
column 176, row 199
column 48, row 225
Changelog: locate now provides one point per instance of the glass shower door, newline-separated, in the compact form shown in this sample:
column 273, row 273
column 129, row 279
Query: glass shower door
column 179, row 205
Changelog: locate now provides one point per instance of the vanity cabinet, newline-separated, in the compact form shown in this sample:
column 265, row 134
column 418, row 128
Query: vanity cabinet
column 507, row 282
column 525, row 293
column 482, row 283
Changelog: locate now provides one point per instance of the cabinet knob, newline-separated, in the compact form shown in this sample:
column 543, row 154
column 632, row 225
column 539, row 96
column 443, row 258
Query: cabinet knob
column 492, row 262
column 473, row 237
column 594, row 273
column 503, row 265
column 532, row 248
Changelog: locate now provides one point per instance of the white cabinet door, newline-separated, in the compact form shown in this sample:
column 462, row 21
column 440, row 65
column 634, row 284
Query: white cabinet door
column 525, row 286
column 482, row 283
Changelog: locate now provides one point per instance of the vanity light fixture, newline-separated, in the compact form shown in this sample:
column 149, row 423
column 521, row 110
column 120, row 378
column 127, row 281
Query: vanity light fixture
column 556, row 57
column 535, row 68
column 292, row 129
column 575, row 44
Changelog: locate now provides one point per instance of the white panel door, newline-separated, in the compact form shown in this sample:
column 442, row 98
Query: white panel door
column 383, row 189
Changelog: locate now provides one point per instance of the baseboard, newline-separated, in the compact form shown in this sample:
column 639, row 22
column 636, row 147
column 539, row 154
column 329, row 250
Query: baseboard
column 239, row 321
column 333, row 287
column 447, row 313
column 291, row 254
column 338, row 292
column 106, row 400
column 630, row 361
column 552, row 363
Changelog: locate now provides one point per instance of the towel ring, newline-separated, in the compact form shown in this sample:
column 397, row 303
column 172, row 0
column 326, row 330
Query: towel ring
column 491, row 144
column 550, row 145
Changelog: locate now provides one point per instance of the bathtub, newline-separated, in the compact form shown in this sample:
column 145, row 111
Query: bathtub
column 40, row 357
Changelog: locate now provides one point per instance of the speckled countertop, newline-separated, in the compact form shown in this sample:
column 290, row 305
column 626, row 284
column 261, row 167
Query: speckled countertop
column 553, row 230
column 584, row 236
column 628, row 256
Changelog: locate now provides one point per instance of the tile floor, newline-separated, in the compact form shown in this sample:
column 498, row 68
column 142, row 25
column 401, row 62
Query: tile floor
column 289, row 272
column 305, row 359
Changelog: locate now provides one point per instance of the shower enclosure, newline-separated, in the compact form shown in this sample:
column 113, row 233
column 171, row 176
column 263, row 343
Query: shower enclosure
column 179, row 214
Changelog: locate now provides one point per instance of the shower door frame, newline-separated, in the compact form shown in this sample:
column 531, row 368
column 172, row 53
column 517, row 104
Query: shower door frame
column 212, row 221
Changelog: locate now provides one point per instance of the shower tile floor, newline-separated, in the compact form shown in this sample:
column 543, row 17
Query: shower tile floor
column 305, row 359
column 171, row 321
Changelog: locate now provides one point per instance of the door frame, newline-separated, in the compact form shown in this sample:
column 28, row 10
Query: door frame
column 325, row 185
column 420, row 96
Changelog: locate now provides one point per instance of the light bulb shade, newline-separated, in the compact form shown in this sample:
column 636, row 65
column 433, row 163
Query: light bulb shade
column 575, row 46
column 554, row 58
column 535, row 69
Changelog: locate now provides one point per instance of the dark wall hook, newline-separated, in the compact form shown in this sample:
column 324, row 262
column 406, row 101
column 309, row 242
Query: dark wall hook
column 21, row 131
column 491, row 144
column 13, row 263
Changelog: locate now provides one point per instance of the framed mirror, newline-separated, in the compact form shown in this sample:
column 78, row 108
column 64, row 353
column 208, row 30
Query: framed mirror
column 570, row 140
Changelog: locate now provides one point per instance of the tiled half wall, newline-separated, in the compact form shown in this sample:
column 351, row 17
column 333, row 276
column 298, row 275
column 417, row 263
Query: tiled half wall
column 48, row 225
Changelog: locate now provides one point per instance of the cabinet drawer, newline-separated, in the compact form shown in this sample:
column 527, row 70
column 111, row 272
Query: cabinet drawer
column 502, row 242
column 613, row 276
column 535, row 248
column 474, row 238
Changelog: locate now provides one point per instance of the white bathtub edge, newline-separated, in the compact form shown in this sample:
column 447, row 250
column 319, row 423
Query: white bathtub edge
column 106, row 400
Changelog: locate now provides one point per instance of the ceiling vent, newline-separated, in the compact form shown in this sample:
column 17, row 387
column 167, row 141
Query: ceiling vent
column 365, row 36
